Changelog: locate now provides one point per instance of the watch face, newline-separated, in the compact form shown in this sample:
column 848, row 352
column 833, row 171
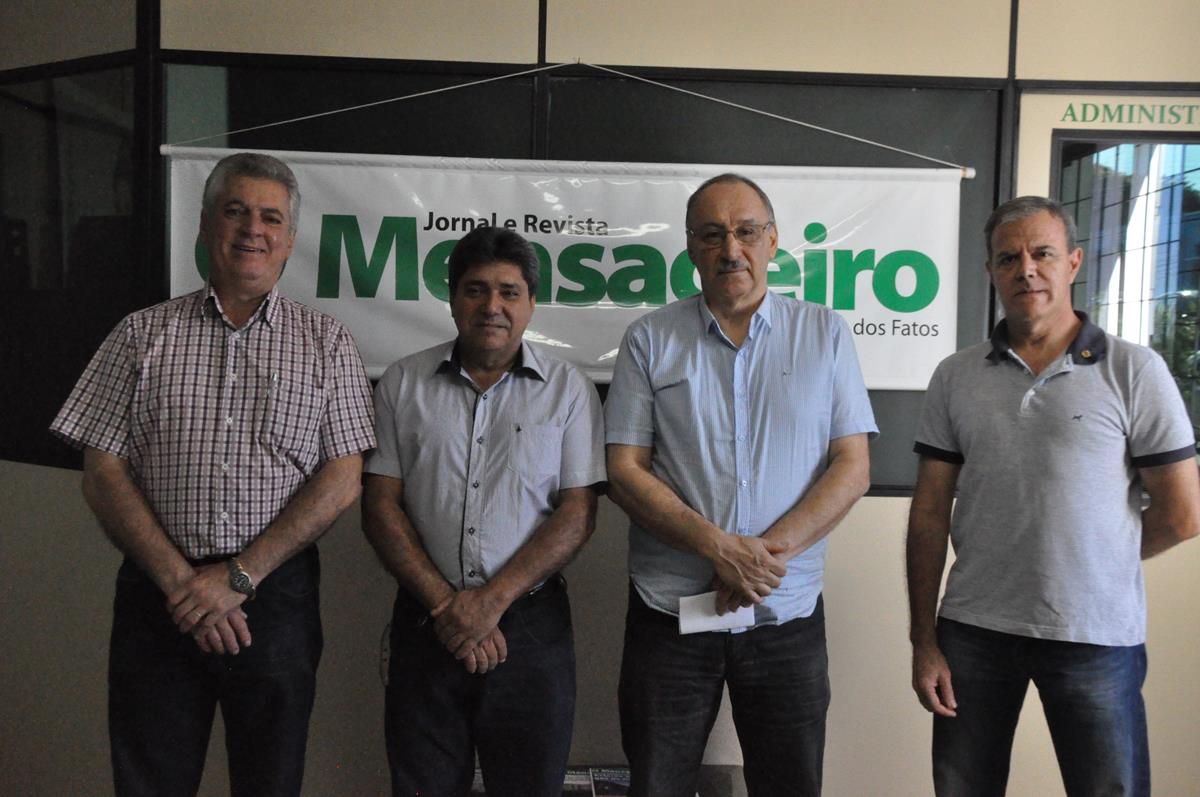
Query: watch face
column 239, row 579
column 240, row 583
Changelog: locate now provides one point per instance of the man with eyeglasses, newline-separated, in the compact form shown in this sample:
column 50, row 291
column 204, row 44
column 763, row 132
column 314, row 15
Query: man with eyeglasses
column 737, row 427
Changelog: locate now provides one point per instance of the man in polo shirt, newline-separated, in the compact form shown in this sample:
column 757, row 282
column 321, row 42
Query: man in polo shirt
column 737, row 426
column 1050, row 432
column 483, row 487
column 222, row 434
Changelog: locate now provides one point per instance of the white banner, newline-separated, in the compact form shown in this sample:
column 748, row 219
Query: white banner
column 878, row 245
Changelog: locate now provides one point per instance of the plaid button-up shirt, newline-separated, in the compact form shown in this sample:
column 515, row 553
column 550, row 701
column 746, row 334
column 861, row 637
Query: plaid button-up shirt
column 221, row 426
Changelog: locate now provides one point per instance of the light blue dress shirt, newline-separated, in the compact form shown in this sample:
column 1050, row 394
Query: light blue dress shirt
column 740, row 434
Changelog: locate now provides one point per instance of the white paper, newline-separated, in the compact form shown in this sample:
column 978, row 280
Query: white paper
column 699, row 613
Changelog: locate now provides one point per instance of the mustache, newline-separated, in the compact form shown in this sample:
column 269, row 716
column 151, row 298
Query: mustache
column 731, row 265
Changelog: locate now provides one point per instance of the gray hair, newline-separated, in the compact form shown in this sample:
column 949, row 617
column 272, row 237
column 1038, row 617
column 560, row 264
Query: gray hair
column 259, row 167
column 1023, row 207
column 729, row 177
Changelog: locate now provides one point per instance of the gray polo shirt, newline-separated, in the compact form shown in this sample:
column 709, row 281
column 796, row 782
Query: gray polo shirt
column 482, row 469
column 1047, row 528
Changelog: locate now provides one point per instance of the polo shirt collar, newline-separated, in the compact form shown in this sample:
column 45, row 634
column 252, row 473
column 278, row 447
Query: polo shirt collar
column 1089, row 347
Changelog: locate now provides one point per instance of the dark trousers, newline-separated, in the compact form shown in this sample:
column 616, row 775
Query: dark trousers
column 163, row 690
column 1092, row 696
column 518, row 716
column 670, row 691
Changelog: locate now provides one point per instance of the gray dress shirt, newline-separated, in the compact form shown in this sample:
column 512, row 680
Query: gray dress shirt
column 483, row 469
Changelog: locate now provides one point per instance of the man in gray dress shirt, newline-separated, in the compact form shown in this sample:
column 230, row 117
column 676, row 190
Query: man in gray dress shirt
column 482, row 488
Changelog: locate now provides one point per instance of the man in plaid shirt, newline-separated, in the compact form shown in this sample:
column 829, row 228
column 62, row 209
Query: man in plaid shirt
column 222, row 434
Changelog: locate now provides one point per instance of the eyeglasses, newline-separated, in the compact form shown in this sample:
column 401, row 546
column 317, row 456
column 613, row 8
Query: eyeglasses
column 746, row 234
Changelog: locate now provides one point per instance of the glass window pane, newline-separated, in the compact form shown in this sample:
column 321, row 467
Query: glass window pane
column 66, row 241
column 1141, row 275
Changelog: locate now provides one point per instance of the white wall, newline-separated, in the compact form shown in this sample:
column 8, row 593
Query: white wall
column 1108, row 40
column 41, row 31
column 899, row 37
column 502, row 31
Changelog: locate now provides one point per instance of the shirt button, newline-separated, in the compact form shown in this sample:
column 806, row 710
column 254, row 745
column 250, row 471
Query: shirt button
column 744, row 482
column 224, row 467
column 471, row 530
column 475, row 485
column 471, row 574
column 484, row 396
column 229, row 420
column 741, row 437
column 233, row 377
column 479, row 439
column 224, row 516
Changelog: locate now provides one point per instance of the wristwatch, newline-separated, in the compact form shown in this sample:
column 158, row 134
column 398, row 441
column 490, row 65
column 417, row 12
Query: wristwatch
column 239, row 579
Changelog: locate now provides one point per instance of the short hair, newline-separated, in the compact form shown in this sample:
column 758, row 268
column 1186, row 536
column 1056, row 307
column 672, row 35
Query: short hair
column 729, row 177
column 486, row 245
column 1023, row 207
column 259, row 167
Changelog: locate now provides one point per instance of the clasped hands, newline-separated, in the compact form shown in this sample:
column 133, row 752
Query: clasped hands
column 206, row 607
column 747, row 570
column 467, row 625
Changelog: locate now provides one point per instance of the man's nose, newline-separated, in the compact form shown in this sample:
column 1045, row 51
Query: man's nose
column 731, row 247
column 251, row 223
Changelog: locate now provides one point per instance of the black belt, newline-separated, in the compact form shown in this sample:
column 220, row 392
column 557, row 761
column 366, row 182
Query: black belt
column 552, row 586
column 548, row 588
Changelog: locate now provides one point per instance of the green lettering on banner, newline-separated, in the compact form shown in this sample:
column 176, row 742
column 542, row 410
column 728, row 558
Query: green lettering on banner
column 340, row 233
column 202, row 261
column 1069, row 115
column 846, row 268
column 650, row 270
column 436, row 269
column 816, row 287
column 641, row 277
column 927, row 280
column 787, row 273
column 545, row 273
column 591, row 281
column 683, row 276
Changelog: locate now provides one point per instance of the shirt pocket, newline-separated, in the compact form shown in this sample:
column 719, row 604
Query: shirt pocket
column 293, row 418
column 535, row 451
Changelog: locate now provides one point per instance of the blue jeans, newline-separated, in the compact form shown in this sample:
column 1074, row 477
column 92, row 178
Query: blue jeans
column 670, row 691
column 163, row 690
column 519, row 715
column 1092, row 695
